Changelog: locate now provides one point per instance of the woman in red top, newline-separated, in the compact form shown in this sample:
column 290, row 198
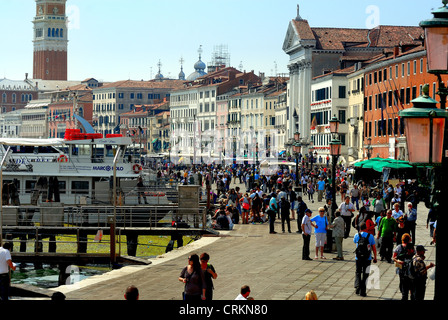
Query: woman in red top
column 370, row 224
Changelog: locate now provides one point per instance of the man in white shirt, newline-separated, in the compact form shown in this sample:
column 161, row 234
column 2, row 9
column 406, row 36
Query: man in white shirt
column 244, row 293
column 306, row 234
column 396, row 213
column 347, row 208
column 5, row 264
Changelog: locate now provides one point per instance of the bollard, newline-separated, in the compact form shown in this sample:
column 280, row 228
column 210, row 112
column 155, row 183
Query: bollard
column 132, row 243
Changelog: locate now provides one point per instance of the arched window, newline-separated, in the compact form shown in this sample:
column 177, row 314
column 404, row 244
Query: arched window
column 61, row 33
column 57, row 33
column 4, row 98
column 49, row 32
column 52, row 32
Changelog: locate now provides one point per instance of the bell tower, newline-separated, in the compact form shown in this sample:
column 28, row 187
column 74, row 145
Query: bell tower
column 50, row 40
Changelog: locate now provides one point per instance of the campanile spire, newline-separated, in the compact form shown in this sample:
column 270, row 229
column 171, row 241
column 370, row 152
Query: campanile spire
column 50, row 40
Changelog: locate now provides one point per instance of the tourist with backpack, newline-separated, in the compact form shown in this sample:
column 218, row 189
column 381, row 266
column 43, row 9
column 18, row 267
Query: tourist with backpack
column 402, row 257
column 365, row 245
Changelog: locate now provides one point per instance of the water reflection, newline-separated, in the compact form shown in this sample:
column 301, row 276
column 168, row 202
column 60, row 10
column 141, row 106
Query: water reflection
column 48, row 276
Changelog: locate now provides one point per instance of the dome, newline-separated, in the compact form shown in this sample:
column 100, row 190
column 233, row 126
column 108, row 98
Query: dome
column 181, row 75
column 196, row 75
column 199, row 65
column 199, row 68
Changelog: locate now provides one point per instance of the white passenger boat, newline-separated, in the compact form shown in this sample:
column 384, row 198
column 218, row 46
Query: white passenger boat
column 75, row 170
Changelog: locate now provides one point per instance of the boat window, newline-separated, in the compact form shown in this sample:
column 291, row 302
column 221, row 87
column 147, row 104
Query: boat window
column 29, row 185
column 81, row 150
column 62, row 187
column 33, row 149
column 98, row 151
column 80, row 187
column 110, row 150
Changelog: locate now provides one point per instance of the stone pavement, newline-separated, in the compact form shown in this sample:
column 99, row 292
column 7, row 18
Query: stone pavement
column 269, row 263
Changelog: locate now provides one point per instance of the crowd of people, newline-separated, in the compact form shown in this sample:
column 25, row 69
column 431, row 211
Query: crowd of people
column 383, row 213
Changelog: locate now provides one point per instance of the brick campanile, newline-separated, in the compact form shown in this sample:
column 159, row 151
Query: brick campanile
column 50, row 40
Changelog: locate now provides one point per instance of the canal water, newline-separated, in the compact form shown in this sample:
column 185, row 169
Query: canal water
column 47, row 277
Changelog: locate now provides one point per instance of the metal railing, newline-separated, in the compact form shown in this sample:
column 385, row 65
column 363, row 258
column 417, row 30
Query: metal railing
column 80, row 229
column 144, row 216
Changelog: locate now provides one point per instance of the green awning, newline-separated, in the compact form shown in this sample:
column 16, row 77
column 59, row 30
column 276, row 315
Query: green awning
column 153, row 141
column 369, row 163
column 378, row 164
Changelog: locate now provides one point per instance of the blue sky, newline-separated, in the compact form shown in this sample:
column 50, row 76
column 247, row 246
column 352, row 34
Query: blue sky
column 113, row 40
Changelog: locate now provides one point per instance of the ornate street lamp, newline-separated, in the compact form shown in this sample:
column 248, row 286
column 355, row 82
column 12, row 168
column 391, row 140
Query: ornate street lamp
column 425, row 127
column 297, row 148
column 334, row 125
column 335, row 152
column 426, row 130
column 436, row 41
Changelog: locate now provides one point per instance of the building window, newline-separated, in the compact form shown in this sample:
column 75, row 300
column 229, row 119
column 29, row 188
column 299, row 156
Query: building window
column 342, row 92
column 342, row 116
column 408, row 95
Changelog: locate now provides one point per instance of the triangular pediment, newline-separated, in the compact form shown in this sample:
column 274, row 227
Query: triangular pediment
column 299, row 35
column 291, row 39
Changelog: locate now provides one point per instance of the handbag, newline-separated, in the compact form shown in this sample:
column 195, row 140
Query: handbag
column 245, row 206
